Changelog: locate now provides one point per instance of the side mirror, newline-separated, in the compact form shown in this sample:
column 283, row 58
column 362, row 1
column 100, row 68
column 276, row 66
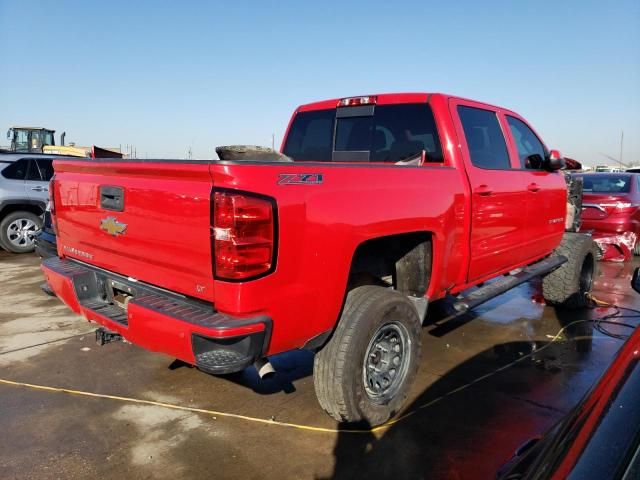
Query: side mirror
column 9, row 133
column 635, row 280
column 554, row 161
column 535, row 161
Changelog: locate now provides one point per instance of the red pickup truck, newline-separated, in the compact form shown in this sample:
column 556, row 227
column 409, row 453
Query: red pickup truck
column 377, row 206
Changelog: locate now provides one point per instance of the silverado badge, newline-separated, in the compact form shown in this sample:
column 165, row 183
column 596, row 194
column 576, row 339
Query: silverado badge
column 112, row 226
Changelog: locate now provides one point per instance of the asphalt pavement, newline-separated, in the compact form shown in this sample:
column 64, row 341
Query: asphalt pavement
column 72, row 409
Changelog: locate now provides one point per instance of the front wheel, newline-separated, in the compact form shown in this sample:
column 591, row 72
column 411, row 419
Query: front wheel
column 365, row 371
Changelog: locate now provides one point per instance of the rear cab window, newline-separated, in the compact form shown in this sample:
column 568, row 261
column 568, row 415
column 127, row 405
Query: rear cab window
column 389, row 133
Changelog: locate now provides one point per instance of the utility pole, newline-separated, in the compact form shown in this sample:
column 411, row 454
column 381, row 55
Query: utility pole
column 273, row 141
column 621, row 142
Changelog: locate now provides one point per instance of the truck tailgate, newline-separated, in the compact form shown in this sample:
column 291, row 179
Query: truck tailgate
column 159, row 235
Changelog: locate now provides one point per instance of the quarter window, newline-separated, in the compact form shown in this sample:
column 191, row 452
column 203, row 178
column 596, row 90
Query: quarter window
column 17, row 170
column 530, row 149
column 487, row 147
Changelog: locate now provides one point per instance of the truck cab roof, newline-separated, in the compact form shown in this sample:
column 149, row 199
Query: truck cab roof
column 385, row 99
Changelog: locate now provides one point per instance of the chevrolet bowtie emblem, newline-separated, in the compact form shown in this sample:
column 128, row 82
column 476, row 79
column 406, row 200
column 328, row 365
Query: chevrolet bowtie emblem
column 112, row 226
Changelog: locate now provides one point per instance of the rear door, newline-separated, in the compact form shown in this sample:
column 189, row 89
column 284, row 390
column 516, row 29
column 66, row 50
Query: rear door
column 39, row 172
column 545, row 195
column 497, row 191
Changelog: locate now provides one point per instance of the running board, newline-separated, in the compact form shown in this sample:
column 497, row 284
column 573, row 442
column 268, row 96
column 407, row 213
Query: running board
column 498, row 287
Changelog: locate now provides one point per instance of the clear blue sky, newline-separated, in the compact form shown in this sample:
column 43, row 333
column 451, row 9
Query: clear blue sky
column 169, row 75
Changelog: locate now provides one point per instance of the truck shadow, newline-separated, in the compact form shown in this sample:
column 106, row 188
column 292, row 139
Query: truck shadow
column 471, row 433
column 298, row 364
column 290, row 367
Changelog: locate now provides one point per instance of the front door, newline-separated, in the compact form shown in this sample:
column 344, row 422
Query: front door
column 39, row 173
column 546, row 198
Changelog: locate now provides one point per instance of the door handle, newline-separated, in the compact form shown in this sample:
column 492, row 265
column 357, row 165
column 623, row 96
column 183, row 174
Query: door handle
column 483, row 190
column 533, row 187
column 39, row 189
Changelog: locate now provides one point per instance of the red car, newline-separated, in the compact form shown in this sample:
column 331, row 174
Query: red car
column 610, row 203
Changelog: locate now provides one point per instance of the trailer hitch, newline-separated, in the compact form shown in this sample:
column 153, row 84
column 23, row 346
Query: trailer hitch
column 104, row 336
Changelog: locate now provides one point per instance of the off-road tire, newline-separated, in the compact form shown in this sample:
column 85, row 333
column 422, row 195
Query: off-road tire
column 568, row 285
column 338, row 367
column 4, row 224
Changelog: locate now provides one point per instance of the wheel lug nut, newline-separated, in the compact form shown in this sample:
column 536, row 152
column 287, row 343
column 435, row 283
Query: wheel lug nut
column 396, row 361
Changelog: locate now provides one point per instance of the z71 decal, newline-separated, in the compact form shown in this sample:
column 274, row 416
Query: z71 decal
column 299, row 179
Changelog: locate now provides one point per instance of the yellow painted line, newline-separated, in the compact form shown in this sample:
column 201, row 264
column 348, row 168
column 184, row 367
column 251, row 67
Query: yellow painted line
column 310, row 428
column 213, row 413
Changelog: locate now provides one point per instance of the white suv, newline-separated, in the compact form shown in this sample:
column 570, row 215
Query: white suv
column 24, row 193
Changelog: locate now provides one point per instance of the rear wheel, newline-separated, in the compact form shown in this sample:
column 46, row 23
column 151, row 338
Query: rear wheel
column 366, row 369
column 568, row 285
column 18, row 231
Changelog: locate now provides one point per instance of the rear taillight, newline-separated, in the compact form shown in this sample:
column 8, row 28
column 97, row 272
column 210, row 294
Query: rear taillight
column 243, row 236
column 52, row 205
column 620, row 207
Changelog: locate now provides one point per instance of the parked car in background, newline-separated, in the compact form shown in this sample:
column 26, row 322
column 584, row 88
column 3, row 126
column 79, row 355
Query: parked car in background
column 599, row 438
column 610, row 203
column 24, row 193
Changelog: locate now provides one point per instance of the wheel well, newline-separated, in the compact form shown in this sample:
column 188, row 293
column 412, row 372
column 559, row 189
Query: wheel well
column 20, row 207
column 402, row 261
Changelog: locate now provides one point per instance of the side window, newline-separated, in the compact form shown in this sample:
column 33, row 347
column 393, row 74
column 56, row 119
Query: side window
column 22, row 141
column 17, row 170
column 530, row 148
column 33, row 172
column 485, row 140
column 45, row 167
